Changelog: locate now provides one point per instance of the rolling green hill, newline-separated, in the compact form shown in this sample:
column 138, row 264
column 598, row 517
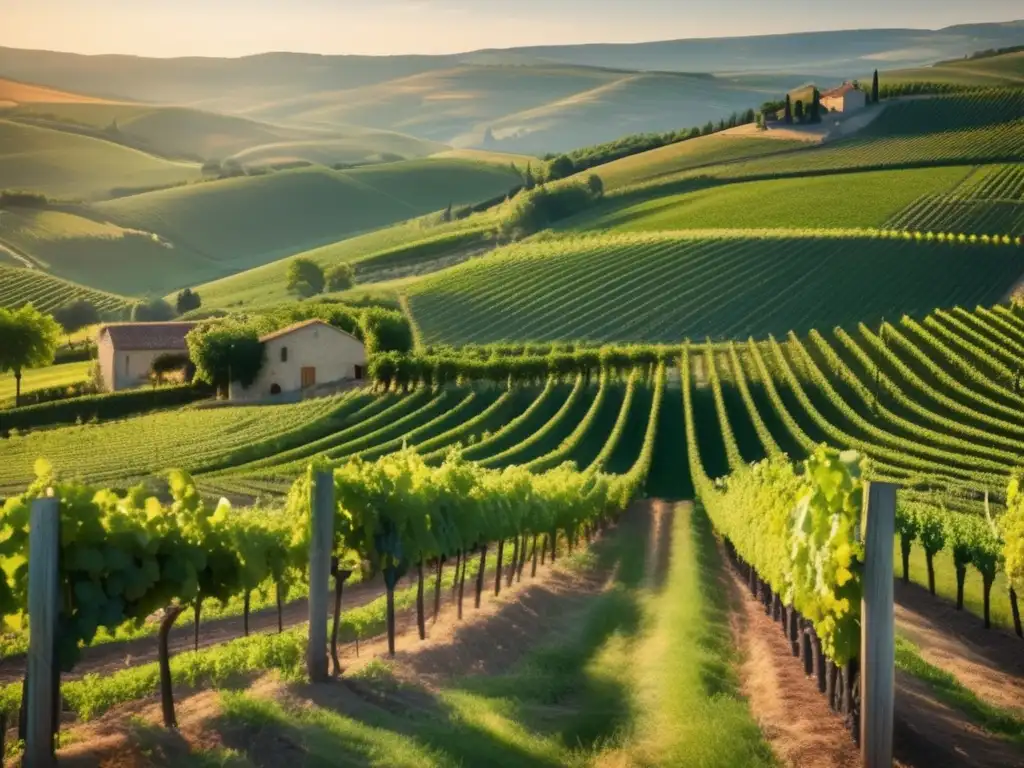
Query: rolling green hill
column 980, row 126
column 665, row 162
column 869, row 199
column 67, row 165
column 724, row 284
column 1005, row 69
column 527, row 109
column 198, row 134
column 160, row 241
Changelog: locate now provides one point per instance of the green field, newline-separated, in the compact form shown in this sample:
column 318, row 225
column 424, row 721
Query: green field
column 20, row 286
column 268, row 284
column 849, row 200
column 1004, row 70
column 722, row 284
column 990, row 200
column 656, row 164
column 159, row 241
column 42, row 378
column 66, row 165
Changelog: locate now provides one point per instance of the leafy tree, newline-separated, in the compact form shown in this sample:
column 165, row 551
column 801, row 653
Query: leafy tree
column 28, row 339
column 152, row 311
column 560, row 168
column 528, row 181
column 595, row 185
column 489, row 139
column 342, row 276
column 788, row 119
column 187, row 300
column 874, row 88
column 446, row 215
column 211, row 168
column 224, row 351
column 170, row 362
column 814, row 115
column 78, row 314
column 385, row 330
column 305, row 277
column 708, row 129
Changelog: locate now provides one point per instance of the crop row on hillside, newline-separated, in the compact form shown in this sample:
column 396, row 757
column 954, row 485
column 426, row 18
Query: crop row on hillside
column 983, row 126
column 667, row 287
column 990, row 199
column 22, row 286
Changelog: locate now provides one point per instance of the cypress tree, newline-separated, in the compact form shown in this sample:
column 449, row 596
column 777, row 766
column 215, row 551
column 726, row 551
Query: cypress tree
column 874, row 88
column 789, row 111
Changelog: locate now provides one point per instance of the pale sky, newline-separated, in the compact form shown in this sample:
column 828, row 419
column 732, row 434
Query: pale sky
column 240, row 27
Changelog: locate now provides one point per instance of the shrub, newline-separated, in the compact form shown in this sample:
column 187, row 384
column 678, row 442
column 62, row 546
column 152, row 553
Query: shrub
column 153, row 311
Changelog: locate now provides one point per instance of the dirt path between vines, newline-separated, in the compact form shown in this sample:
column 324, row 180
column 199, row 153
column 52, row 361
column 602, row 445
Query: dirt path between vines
column 487, row 641
column 988, row 661
column 793, row 716
column 804, row 732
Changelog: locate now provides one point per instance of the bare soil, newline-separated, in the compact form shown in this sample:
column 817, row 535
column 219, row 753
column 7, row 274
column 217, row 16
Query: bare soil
column 988, row 661
column 793, row 716
column 804, row 732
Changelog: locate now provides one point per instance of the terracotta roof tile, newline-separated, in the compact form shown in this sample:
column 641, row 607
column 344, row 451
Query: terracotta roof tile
column 142, row 336
column 297, row 326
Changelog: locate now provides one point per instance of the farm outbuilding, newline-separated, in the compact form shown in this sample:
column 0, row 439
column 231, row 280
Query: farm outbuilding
column 846, row 98
column 126, row 351
column 301, row 357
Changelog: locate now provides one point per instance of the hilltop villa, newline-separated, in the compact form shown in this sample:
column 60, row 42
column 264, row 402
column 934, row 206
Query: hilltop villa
column 845, row 98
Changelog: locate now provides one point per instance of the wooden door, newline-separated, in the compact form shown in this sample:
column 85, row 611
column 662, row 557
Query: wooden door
column 308, row 376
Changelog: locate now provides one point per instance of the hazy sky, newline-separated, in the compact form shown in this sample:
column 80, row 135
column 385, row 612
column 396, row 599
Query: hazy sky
column 239, row 27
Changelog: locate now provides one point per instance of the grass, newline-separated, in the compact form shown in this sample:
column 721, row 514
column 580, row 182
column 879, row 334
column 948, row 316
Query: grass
column 945, row 584
column 95, row 252
column 669, row 286
column 43, row 378
column 67, row 165
column 1006, row 69
column 655, row 164
column 855, row 200
column 954, row 693
column 218, row 228
column 267, row 284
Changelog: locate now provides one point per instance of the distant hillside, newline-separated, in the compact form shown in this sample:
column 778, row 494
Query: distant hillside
column 182, row 132
column 13, row 93
column 829, row 53
column 1003, row 69
column 531, row 109
column 68, row 165
column 160, row 241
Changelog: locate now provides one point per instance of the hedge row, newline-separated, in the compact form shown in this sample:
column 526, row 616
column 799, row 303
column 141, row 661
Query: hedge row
column 112, row 405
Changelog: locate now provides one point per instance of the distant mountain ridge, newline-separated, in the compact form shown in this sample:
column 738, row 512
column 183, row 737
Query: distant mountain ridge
column 272, row 76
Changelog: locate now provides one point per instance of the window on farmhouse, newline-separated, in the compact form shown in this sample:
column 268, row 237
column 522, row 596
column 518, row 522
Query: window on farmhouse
column 284, row 354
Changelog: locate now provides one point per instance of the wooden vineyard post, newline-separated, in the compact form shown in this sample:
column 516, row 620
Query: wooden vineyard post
column 878, row 626
column 321, row 542
column 43, row 605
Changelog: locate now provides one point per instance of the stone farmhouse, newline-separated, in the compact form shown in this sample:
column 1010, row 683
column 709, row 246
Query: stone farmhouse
column 126, row 351
column 845, row 98
column 301, row 357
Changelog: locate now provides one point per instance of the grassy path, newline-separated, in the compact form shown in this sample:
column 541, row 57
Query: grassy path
column 619, row 656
